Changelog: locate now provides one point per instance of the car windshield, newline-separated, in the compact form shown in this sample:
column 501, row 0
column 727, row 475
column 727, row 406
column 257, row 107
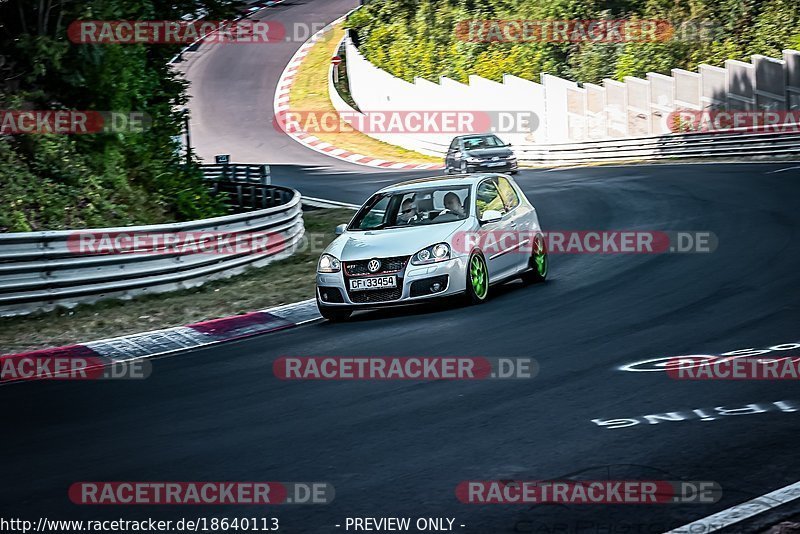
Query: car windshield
column 417, row 207
column 486, row 141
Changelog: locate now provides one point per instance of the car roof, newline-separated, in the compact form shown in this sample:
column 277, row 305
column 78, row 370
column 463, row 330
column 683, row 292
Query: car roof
column 438, row 181
column 473, row 136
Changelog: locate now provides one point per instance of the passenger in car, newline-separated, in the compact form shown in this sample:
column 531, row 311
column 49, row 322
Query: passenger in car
column 453, row 204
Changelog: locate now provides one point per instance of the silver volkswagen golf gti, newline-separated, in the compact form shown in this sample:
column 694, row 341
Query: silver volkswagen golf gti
column 431, row 238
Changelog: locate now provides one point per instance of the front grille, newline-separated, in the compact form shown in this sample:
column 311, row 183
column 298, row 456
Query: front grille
column 393, row 265
column 376, row 295
column 388, row 266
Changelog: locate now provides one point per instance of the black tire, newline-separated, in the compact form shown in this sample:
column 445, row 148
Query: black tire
column 334, row 314
column 536, row 273
column 514, row 172
column 472, row 294
column 447, row 169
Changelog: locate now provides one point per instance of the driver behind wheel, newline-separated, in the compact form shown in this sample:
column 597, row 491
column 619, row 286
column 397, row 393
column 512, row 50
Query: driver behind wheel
column 408, row 212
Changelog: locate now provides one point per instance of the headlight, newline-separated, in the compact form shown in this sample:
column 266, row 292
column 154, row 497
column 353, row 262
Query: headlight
column 328, row 264
column 512, row 157
column 432, row 254
column 473, row 160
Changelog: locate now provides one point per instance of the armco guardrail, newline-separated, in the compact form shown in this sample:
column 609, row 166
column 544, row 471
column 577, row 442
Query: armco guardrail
column 673, row 146
column 40, row 271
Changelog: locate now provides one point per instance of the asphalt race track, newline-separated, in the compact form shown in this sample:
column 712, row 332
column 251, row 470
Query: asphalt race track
column 400, row 448
column 233, row 88
column 395, row 448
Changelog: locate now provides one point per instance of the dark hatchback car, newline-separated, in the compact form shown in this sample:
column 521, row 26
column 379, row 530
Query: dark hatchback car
column 479, row 153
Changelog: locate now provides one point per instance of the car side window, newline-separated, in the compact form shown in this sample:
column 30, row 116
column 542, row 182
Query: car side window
column 454, row 144
column 509, row 194
column 487, row 197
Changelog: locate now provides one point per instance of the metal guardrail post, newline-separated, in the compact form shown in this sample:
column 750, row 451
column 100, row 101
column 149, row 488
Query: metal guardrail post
column 224, row 178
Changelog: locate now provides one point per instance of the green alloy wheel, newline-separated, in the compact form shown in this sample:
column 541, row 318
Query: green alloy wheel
column 538, row 262
column 477, row 279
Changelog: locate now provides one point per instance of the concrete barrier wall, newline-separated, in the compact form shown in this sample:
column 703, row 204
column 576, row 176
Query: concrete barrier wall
column 430, row 145
column 375, row 90
column 568, row 112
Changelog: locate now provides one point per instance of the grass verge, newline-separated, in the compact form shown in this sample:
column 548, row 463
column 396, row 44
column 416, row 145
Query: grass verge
column 309, row 92
column 282, row 282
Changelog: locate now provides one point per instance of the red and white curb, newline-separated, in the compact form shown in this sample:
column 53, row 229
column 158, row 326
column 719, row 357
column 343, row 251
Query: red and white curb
column 740, row 512
column 281, row 105
column 182, row 338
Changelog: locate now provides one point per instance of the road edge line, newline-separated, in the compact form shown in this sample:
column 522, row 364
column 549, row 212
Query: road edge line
column 325, row 203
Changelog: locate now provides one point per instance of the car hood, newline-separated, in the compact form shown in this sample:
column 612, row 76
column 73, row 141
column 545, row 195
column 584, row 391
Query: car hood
column 489, row 152
column 363, row 245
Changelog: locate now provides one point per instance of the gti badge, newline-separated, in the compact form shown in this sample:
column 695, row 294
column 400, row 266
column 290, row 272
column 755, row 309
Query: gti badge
column 374, row 266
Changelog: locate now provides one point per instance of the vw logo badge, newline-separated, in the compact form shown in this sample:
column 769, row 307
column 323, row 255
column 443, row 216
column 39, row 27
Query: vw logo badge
column 495, row 158
column 374, row 266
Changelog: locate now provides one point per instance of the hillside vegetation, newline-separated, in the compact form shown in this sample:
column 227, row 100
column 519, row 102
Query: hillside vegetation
column 418, row 37
column 57, row 181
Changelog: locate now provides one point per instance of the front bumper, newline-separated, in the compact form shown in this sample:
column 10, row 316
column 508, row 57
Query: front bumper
column 450, row 274
column 486, row 166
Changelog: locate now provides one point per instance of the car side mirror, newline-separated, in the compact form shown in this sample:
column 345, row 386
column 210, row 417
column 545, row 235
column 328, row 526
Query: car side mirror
column 340, row 229
column 491, row 216
column 508, row 144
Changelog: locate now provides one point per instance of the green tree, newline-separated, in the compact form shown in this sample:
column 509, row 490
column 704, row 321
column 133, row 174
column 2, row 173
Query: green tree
column 420, row 39
column 98, row 179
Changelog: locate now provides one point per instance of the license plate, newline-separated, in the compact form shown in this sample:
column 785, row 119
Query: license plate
column 373, row 282
column 496, row 164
